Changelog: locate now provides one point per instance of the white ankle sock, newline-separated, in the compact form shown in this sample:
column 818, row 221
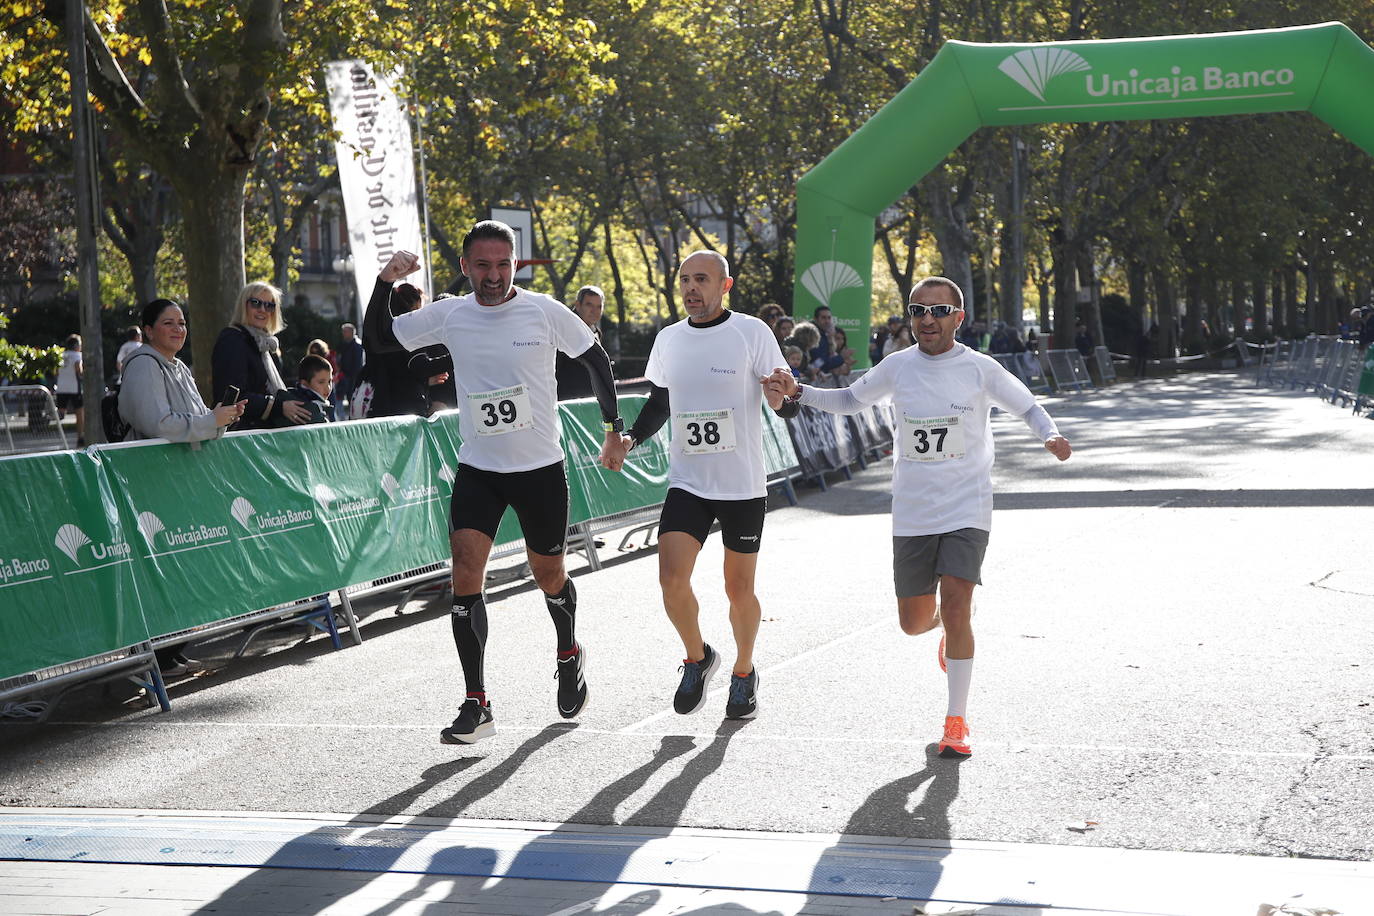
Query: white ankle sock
column 959, row 672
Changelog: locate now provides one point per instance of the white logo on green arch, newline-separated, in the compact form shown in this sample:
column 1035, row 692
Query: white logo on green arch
column 1033, row 68
column 825, row 278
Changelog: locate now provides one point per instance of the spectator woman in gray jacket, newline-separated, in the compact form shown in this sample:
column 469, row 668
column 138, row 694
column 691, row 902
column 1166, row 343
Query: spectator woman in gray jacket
column 158, row 396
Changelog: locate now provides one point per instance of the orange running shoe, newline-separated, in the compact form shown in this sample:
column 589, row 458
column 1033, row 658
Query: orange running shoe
column 955, row 742
column 941, row 654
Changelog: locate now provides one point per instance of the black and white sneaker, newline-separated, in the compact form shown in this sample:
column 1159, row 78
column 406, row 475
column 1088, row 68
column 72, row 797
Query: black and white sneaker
column 691, row 693
column 474, row 723
column 572, row 685
column 744, row 696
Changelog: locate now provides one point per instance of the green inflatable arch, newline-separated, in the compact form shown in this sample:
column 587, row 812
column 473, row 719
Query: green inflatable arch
column 1324, row 69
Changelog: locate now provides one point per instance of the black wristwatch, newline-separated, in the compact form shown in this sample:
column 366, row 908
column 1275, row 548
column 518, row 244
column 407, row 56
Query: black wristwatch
column 615, row 426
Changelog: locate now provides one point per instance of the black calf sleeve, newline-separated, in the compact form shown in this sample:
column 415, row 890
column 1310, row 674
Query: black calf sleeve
column 563, row 609
column 469, row 619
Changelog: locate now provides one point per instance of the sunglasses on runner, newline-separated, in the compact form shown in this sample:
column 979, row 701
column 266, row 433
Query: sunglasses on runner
column 916, row 310
column 267, row 305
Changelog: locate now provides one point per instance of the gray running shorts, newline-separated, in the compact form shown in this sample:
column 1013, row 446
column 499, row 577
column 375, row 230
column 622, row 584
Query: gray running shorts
column 918, row 562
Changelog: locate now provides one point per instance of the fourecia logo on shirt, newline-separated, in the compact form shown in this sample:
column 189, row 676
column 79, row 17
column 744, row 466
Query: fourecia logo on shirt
column 527, row 343
column 723, row 371
column 953, row 406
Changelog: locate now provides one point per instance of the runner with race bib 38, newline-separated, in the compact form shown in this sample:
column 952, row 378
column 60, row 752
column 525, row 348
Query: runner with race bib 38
column 714, row 365
column 942, row 394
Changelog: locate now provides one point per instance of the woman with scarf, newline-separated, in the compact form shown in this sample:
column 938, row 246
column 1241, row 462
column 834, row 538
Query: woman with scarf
column 248, row 357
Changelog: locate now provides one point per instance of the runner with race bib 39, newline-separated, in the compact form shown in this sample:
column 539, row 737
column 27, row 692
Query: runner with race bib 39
column 942, row 394
column 504, row 341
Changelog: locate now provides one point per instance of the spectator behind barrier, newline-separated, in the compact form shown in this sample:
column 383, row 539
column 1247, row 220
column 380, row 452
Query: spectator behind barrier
column 133, row 339
column 795, row 358
column 783, row 329
column 1367, row 329
column 158, row 397
column 350, row 363
column 824, row 357
column 1083, row 341
column 570, row 376
column 807, row 337
column 401, row 381
column 68, row 387
column 770, row 313
column 898, row 341
column 248, row 357
column 315, row 384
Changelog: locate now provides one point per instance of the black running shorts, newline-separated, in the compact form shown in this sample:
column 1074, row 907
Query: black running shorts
column 741, row 520
column 539, row 498
column 919, row 562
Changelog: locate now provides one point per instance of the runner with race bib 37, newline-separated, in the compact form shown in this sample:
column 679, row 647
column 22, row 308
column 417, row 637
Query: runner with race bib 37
column 943, row 394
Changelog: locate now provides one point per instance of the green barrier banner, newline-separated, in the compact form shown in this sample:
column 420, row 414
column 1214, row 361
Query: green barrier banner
column 146, row 539
column 1323, row 69
column 1367, row 375
column 67, row 583
column 596, row 492
column 254, row 520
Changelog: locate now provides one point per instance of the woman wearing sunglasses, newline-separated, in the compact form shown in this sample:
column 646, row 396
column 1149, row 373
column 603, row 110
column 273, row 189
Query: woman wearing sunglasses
column 942, row 393
column 247, row 356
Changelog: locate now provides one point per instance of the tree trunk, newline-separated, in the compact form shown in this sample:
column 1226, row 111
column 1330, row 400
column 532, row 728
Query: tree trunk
column 1135, row 285
column 213, row 239
column 949, row 224
column 1087, row 275
column 1192, row 318
column 1261, row 322
column 1065, row 290
column 619, row 286
column 1238, row 308
column 1166, row 312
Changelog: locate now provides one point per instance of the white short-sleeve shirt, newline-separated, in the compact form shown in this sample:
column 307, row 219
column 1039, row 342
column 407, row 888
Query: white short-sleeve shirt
column 942, row 434
column 712, row 375
column 503, row 367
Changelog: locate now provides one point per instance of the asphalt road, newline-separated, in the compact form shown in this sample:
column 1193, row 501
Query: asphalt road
column 1173, row 653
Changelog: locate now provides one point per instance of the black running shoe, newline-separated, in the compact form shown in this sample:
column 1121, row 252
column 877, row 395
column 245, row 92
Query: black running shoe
column 474, row 723
column 572, row 686
column 744, row 696
column 691, row 693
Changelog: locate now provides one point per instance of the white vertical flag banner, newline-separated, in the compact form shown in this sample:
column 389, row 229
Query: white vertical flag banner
column 376, row 171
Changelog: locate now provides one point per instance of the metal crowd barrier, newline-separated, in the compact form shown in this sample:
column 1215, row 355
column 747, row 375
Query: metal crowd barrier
column 1329, row 367
column 28, row 420
column 136, row 662
column 1106, row 369
column 1068, row 370
column 1026, row 367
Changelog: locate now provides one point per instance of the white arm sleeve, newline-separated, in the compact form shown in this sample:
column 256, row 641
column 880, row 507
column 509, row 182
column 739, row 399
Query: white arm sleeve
column 1040, row 423
column 831, row 400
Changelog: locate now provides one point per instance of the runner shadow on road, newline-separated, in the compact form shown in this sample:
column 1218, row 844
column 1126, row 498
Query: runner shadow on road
column 889, row 812
column 373, row 847
column 599, row 863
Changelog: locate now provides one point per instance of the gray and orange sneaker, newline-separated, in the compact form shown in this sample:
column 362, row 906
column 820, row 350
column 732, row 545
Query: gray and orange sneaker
column 955, row 744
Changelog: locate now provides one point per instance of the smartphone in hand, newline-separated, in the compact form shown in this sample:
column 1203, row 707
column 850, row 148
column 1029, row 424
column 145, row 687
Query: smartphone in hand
column 231, row 397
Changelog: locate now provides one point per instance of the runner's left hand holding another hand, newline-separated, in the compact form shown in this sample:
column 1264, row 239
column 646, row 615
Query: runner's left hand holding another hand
column 613, row 451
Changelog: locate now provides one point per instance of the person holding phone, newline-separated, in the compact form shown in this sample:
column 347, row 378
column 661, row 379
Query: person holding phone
column 247, row 355
column 943, row 393
column 158, row 397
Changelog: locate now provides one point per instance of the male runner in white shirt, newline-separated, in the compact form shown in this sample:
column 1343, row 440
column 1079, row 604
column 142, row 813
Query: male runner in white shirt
column 943, row 393
column 503, row 340
column 716, row 365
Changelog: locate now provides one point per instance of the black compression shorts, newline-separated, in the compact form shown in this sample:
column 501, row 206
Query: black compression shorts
column 741, row 520
column 539, row 498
